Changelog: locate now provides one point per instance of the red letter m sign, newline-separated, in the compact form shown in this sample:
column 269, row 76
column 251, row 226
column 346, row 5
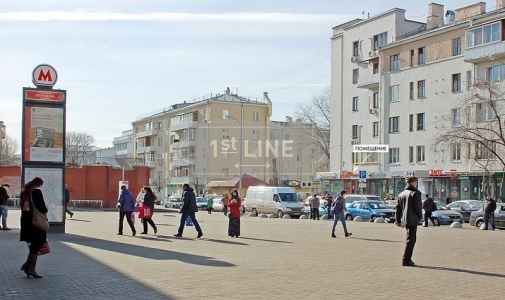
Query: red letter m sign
column 45, row 77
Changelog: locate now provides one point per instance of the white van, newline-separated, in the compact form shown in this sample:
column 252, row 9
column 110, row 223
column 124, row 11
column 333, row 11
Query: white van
column 273, row 200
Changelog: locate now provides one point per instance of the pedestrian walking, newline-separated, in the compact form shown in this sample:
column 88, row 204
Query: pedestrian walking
column 234, row 204
column 210, row 204
column 126, row 204
column 32, row 198
column 149, row 199
column 67, row 201
column 489, row 209
column 448, row 200
column 409, row 212
column 225, row 204
column 314, row 207
column 4, row 205
column 188, row 209
column 140, row 196
column 429, row 207
column 338, row 210
column 329, row 200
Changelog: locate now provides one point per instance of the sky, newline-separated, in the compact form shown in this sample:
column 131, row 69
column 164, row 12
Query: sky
column 122, row 59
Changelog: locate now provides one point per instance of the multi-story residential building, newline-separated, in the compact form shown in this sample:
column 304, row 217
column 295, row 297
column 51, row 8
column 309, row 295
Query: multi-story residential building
column 412, row 82
column 124, row 144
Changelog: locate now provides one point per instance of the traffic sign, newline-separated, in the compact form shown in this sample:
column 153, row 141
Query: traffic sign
column 362, row 185
column 362, row 174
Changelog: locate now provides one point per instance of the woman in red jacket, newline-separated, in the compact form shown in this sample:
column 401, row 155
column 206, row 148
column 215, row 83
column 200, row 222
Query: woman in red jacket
column 234, row 205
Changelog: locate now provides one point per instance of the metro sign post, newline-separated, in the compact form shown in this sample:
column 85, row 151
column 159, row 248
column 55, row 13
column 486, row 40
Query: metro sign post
column 43, row 140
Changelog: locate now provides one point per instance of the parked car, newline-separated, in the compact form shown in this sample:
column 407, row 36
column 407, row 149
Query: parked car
column 468, row 208
column 391, row 203
column 173, row 202
column 201, row 203
column 349, row 199
column 443, row 216
column 369, row 210
column 218, row 205
column 273, row 200
column 477, row 217
column 459, row 204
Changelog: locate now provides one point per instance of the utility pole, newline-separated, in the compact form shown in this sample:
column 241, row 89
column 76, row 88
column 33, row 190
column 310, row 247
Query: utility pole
column 2, row 136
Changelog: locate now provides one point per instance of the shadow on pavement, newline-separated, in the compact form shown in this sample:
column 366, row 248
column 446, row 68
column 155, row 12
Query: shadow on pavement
column 376, row 240
column 462, row 271
column 225, row 242
column 264, row 240
column 77, row 220
column 140, row 251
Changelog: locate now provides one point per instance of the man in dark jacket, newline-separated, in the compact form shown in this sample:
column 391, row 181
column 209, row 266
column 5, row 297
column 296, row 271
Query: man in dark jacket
column 489, row 209
column 429, row 208
column 4, row 205
column 409, row 213
column 188, row 209
column 67, row 201
column 126, row 203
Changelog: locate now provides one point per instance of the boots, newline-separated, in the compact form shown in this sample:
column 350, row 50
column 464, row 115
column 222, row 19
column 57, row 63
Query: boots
column 31, row 263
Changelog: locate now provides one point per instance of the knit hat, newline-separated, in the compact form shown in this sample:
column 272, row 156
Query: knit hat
column 411, row 179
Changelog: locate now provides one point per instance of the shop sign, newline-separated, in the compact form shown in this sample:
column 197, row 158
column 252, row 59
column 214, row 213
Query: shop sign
column 435, row 172
column 377, row 175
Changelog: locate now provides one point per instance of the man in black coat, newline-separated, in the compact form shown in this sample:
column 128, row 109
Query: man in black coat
column 409, row 212
column 489, row 209
column 429, row 207
column 67, row 201
column 188, row 209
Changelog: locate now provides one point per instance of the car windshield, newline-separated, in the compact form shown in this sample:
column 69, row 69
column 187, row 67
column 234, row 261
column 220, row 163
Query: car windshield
column 200, row 199
column 288, row 197
column 175, row 199
column 376, row 205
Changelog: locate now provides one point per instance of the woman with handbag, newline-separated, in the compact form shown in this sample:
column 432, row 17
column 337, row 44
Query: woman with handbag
column 149, row 199
column 234, row 205
column 33, row 223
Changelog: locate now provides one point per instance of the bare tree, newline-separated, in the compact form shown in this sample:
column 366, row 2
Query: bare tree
column 8, row 150
column 78, row 145
column 476, row 128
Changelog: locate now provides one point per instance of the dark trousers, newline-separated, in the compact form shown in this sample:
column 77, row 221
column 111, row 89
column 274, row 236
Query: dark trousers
column 411, row 242
column 184, row 217
column 146, row 221
column 314, row 213
column 35, row 247
column 427, row 215
column 67, row 210
column 225, row 209
column 128, row 215
column 487, row 218
column 209, row 210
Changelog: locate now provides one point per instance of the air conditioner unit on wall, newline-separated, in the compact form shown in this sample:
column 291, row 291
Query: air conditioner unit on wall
column 355, row 59
column 373, row 111
column 306, row 184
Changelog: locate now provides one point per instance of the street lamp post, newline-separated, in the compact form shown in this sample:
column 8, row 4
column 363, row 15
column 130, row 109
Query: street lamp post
column 241, row 154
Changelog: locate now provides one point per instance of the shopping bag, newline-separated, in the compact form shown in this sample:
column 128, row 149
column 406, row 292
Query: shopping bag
column 133, row 218
column 45, row 249
column 145, row 212
column 189, row 222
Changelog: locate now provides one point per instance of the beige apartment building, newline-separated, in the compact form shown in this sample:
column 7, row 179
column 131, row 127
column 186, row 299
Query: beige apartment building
column 199, row 142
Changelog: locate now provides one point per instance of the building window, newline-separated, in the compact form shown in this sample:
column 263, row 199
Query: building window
column 225, row 152
column 150, row 157
column 160, row 160
column 375, row 100
column 355, row 48
column 355, row 75
column 421, row 121
column 468, row 150
column 298, row 154
column 160, row 142
column 205, row 133
column 394, row 123
column 365, row 158
column 255, row 154
column 412, row 58
column 226, row 133
column 224, row 172
column 394, row 62
column 411, row 91
column 255, row 135
column 496, row 73
column 394, row 155
column 204, row 153
column 456, row 46
column 485, row 112
column 286, row 164
column 456, row 152
column 411, row 122
column 421, row 52
column 274, row 136
column 485, row 150
column 456, row 82
column 411, row 155
column 421, row 89
column 380, row 40
column 420, row 154
column 394, row 93
column 483, row 35
column 375, row 68
column 255, row 173
column 354, row 132
column 286, row 136
column 469, row 80
column 226, row 114
column 456, row 117
column 256, row 116
column 355, row 103
column 375, row 129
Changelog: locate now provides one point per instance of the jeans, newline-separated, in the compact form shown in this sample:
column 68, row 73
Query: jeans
column 184, row 217
column 341, row 217
column 225, row 209
column 5, row 211
column 128, row 215
column 330, row 216
column 410, row 243
column 487, row 218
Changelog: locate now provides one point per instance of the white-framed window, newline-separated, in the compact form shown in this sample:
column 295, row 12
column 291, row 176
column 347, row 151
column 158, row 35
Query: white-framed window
column 411, row 155
column 411, row 90
column 286, row 136
column 412, row 58
column 496, row 73
column 299, row 155
column 256, row 116
column 421, row 58
column 255, row 154
column 469, row 80
column 160, row 142
column 355, row 133
column 160, row 159
column 355, row 103
column 375, row 100
column 274, row 136
column 456, row 82
column 486, row 34
column 224, row 172
column 255, row 173
column 375, row 129
column 485, row 112
column 456, row 46
column 204, row 152
column 150, row 156
column 355, row 75
column 420, row 154
column 226, row 133
column 380, row 40
column 225, row 152
column 421, row 89
column 226, row 114
column 394, row 93
column 485, row 150
column 394, row 62
column 421, row 121
column 394, row 155
column 456, row 117
column 456, row 151
column 411, row 122
column 355, row 48
column 394, row 124
column 255, row 135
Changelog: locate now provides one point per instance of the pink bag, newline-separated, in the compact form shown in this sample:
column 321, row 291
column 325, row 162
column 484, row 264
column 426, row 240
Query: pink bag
column 133, row 218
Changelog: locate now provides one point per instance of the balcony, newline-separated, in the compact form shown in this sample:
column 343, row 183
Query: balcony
column 149, row 132
column 150, row 164
column 183, row 144
column 181, row 162
column 146, row 149
column 369, row 82
column 482, row 53
column 182, row 180
column 182, row 126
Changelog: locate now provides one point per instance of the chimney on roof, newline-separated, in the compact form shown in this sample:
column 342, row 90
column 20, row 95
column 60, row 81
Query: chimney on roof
column 500, row 4
column 470, row 11
column 299, row 121
column 289, row 119
column 227, row 90
column 435, row 16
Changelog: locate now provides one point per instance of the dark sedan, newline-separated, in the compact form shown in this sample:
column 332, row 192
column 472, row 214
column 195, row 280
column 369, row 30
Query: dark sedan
column 477, row 217
column 468, row 208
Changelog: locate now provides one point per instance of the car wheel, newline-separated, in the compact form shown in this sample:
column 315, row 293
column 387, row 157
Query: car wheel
column 254, row 212
column 166, row 206
column 372, row 218
column 479, row 223
column 435, row 222
column 348, row 218
column 279, row 214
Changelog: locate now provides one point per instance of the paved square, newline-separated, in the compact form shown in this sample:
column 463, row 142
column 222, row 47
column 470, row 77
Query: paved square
column 273, row 259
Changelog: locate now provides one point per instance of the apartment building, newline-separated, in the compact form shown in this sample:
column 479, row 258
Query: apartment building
column 411, row 85
column 124, row 144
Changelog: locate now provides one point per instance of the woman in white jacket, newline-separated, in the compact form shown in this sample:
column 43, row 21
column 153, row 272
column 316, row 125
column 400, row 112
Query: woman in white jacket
column 140, row 196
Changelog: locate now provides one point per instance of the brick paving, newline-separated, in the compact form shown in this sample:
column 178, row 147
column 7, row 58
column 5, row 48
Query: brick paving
column 274, row 259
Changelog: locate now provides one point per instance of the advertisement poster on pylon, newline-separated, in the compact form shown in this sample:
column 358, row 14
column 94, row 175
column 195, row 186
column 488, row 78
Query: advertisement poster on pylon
column 44, row 127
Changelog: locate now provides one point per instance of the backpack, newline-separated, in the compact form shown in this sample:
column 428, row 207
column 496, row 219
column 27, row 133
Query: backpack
column 336, row 207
